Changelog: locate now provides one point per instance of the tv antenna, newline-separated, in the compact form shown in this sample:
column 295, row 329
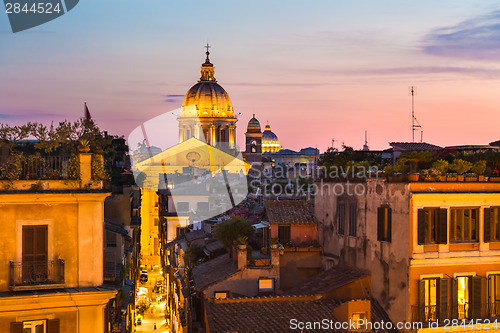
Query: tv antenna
column 414, row 122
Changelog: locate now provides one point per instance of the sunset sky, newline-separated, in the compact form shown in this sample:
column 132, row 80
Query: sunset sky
column 316, row 70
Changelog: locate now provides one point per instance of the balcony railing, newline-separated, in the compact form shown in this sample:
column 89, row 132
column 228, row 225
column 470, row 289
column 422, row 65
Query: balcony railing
column 31, row 275
column 463, row 311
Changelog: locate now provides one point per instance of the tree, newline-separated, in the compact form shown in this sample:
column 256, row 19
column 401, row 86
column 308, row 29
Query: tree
column 229, row 231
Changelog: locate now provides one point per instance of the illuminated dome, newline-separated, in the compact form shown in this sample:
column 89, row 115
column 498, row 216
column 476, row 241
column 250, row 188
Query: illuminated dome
column 207, row 98
column 270, row 142
column 253, row 125
column 207, row 112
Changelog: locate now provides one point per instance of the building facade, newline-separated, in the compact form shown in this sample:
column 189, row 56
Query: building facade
column 52, row 255
column 433, row 249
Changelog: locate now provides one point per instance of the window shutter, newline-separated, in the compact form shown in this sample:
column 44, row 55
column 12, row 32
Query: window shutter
column 379, row 223
column 454, row 299
column 475, row 297
column 421, row 300
column 421, row 226
column 389, row 224
column 16, row 327
column 443, row 226
column 53, row 326
column 487, row 224
column 443, row 299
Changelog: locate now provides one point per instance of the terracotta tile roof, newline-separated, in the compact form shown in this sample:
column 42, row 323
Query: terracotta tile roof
column 289, row 212
column 212, row 271
column 272, row 314
column 328, row 281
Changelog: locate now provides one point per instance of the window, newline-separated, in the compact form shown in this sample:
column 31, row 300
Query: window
column 467, row 297
column 182, row 206
column 432, row 226
column 284, row 234
column 433, row 299
column 341, row 218
column 220, row 294
column 352, row 219
column 110, row 239
column 156, row 222
column 266, row 284
column 430, row 299
column 35, row 326
column 463, row 297
column 35, row 253
column 384, row 221
column 492, row 224
column 202, row 206
column 494, row 294
column 464, row 225
column 359, row 319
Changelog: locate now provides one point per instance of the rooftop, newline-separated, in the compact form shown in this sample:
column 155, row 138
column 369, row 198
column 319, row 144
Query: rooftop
column 289, row 212
column 212, row 271
column 413, row 146
column 327, row 281
column 274, row 314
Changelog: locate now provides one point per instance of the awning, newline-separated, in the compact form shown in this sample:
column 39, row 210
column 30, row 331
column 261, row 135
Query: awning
column 262, row 224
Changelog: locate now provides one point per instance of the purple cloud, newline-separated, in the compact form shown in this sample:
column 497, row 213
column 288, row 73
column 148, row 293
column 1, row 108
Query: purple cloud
column 476, row 38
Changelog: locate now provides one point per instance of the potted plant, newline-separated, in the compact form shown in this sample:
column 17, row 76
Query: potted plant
column 84, row 146
column 414, row 158
column 389, row 172
column 400, row 168
column 479, row 168
column 460, row 167
column 441, row 167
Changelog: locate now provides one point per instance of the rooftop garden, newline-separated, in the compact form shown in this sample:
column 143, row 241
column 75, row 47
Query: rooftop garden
column 437, row 165
column 37, row 152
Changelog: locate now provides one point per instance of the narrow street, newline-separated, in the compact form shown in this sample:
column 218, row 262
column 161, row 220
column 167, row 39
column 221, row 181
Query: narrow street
column 155, row 314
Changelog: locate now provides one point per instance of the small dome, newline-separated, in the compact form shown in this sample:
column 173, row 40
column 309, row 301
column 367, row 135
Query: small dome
column 270, row 142
column 253, row 125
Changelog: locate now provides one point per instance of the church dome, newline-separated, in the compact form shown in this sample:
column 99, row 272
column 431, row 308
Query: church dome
column 270, row 142
column 253, row 125
column 207, row 98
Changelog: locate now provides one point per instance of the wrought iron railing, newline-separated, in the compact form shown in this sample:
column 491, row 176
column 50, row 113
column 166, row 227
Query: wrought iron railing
column 462, row 311
column 36, row 273
column 424, row 313
column 49, row 167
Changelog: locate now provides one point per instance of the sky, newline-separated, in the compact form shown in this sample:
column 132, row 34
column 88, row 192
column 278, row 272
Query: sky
column 316, row 70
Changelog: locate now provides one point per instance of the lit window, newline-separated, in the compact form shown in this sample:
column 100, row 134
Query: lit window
column 463, row 296
column 220, row 294
column 359, row 319
column 430, row 299
column 36, row 326
column 494, row 294
column 266, row 284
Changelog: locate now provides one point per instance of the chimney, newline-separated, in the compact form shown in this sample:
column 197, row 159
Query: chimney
column 85, row 168
column 241, row 251
column 275, row 255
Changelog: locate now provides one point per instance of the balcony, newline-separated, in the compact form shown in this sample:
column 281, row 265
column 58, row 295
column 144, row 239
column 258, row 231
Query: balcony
column 36, row 275
column 462, row 312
